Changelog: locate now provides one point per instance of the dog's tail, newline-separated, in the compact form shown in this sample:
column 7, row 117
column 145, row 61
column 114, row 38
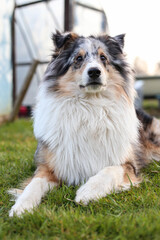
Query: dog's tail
column 149, row 135
column 15, row 193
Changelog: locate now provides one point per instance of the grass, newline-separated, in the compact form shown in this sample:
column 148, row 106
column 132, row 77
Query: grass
column 151, row 106
column 134, row 214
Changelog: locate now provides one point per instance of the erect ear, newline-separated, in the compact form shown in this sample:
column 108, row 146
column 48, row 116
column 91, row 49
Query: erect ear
column 115, row 44
column 120, row 39
column 63, row 39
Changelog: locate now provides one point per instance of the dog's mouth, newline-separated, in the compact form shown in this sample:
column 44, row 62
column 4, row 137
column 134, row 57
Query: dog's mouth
column 94, row 84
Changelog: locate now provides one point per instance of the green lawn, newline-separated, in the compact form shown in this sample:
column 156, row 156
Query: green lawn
column 128, row 215
column 151, row 106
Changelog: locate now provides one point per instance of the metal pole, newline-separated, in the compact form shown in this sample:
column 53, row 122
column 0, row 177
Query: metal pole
column 68, row 15
column 13, row 53
column 88, row 7
column 31, row 3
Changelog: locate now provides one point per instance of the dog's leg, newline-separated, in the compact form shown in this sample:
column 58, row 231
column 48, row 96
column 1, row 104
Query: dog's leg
column 41, row 183
column 108, row 180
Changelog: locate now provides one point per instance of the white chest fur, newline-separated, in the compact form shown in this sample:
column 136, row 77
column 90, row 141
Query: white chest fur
column 85, row 135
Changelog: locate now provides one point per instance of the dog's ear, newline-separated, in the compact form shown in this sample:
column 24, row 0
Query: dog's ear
column 120, row 39
column 63, row 39
column 114, row 44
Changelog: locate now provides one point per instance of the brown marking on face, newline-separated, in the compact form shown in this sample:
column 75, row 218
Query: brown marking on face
column 101, row 52
column 67, row 83
column 78, row 65
column 81, row 53
column 130, row 173
column 116, row 84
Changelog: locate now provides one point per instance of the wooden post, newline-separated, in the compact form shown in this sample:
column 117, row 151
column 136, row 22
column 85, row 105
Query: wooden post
column 23, row 91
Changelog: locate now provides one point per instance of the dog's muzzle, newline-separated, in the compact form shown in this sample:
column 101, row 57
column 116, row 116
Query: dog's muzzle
column 94, row 77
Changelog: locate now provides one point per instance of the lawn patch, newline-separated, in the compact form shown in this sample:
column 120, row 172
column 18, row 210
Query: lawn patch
column 134, row 214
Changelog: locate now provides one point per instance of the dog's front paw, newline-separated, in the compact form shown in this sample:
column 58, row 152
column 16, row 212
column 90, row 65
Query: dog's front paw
column 84, row 195
column 91, row 191
column 19, row 208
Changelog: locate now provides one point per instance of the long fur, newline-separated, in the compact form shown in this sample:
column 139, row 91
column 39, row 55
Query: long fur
column 87, row 138
column 86, row 124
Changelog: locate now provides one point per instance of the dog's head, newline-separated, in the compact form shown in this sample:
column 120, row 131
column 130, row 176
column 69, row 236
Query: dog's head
column 87, row 64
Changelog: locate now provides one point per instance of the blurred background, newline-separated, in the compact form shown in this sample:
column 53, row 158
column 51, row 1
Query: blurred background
column 25, row 36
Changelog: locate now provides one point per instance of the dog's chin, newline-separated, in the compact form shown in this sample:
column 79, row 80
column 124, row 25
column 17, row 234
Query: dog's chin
column 93, row 88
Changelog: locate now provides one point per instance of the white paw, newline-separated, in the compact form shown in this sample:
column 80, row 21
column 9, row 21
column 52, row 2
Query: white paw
column 92, row 190
column 19, row 208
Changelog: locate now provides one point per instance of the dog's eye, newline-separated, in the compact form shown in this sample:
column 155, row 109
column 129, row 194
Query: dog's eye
column 79, row 58
column 103, row 58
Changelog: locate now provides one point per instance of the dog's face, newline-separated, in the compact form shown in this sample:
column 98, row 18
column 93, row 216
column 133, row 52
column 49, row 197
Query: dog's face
column 91, row 64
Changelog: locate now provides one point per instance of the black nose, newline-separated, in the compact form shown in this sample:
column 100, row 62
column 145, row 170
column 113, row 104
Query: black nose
column 94, row 73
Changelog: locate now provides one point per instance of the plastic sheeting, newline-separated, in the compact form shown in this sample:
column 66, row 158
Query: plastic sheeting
column 5, row 57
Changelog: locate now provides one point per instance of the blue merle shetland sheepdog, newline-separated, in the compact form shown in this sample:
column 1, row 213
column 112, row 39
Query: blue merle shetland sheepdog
column 87, row 128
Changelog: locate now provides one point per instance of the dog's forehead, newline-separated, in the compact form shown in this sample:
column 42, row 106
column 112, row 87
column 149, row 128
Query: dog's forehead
column 90, row 45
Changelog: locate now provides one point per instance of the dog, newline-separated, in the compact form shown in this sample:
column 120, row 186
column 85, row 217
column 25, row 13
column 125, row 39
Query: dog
column 86, row 125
